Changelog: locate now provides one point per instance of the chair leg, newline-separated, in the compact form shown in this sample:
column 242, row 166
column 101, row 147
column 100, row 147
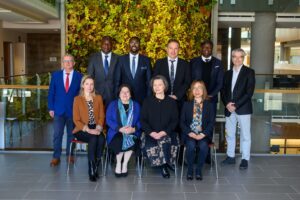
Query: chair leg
column 138, row 167
column 69, row 159
column 106, row 160
column 182, row 165
column 216, row 163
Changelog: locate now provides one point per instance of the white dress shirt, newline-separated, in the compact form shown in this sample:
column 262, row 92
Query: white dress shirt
column 204, row 58
column 235, row 74
column 136, row 61
column 108, row 58
column 70, row 77
column 175, row 65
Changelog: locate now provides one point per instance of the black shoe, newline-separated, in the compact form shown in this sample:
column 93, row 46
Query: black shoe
column 118, row 175
column 228, row 161
column 165, row 172
column 199, row 176
column 97, row 165
column 244, row 164
column 171, row 167
column 92, row 171
column 124, row 174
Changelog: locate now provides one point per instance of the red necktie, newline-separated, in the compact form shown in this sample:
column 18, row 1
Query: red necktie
column 67, row 82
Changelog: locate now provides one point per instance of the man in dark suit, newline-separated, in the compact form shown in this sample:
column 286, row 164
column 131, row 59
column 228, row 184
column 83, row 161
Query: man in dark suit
column 208, row 69
column 134, row 70
column 101, row 67
column 64, row 86
column 237, row 91
column 176, row 71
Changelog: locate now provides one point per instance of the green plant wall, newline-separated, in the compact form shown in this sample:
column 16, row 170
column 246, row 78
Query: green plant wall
column 153, row 21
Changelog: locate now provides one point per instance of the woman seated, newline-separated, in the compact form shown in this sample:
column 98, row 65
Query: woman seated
column 123, row 120
column 197, row 123
column 88, row 116
column 159, row 118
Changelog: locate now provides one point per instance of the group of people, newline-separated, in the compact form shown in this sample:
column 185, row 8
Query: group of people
column 174, row 104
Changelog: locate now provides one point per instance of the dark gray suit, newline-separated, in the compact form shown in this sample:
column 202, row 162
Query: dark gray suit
column 104, row 84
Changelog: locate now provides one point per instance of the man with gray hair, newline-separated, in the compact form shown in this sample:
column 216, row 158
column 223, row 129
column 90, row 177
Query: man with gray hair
column 237, row 91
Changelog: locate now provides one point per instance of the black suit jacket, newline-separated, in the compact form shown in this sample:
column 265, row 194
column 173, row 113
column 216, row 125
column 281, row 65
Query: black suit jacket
column 104, row 85
column 140, row 83
column 216, row 77
column 242, row 91
column 208, row 119
column 182, row 77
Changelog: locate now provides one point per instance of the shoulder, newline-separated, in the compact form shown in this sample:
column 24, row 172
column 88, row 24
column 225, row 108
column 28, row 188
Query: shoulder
column 248, row 69
column 195, row 59
column 95, row 55
column 182, row 61
column 114, row 55
column 98, row 97
column 78, row 99
column 77, row 73
column 160, row 61
column 57, row 72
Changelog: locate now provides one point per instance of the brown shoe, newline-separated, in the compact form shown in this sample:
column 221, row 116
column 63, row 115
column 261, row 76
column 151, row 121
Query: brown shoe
column 54, row 162
column 71, row 159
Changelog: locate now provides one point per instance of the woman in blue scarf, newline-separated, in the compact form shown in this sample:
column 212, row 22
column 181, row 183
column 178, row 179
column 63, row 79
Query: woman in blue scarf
column 123, row 120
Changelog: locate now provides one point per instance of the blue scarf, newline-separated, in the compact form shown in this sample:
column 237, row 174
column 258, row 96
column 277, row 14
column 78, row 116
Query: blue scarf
column 126, row 120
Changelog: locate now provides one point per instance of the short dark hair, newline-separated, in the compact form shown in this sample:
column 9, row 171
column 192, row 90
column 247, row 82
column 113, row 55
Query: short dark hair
column 173, row 40
column 207, row 42
column 106, row 37
column 124, row 86
column 159, row 77
column 135, row 38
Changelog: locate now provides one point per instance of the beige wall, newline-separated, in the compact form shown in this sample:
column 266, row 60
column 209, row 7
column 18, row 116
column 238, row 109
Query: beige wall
column 287, row 34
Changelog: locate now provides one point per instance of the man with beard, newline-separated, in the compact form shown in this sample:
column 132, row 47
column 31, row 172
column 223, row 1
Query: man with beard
column 134, row 70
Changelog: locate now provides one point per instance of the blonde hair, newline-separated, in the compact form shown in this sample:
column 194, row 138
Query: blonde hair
column 190, row 92
column 84, row 78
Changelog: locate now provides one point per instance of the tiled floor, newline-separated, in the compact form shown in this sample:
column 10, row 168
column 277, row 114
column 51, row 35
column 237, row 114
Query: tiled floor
column 29, row 176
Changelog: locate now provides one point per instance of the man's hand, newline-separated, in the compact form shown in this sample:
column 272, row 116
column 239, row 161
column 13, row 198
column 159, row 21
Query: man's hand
column 51, row 113
column 230, row 107
column 173, row 97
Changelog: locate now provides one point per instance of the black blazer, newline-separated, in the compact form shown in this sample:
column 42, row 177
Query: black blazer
column 242, row 92
column 182, row 77
column 104, row 85
column 140, row 83
column 216, row 77
column 208, row 119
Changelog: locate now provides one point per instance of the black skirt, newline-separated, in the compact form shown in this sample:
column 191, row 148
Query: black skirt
column 116, row 144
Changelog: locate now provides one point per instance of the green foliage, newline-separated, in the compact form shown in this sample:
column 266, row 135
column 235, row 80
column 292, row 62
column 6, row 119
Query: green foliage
column 153, row 21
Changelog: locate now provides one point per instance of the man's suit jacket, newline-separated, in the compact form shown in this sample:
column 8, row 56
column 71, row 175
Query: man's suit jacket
column 182, row 77
column 60, row 101
column 140, row 83
column 208, row 119
column 216, row 77
column 242, row 91
column 104, row 85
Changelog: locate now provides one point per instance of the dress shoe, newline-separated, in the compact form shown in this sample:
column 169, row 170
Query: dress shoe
column 244, row 164
column 54, row 162
column 92, row 171
column 199, row 176
column 171, row 167
column 118, row 175
column 165, row 172
column 71, row 160
column 124, row 174
column 228, row 161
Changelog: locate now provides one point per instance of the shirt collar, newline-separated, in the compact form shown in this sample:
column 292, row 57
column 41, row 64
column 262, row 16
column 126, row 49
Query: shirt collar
column 238, row 69
column 103, row 54
column 204, row 58
column 71, row 72
column 133, row 55
column 175, row 59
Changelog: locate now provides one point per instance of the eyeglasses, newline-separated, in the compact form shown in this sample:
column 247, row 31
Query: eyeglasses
column 68, row 61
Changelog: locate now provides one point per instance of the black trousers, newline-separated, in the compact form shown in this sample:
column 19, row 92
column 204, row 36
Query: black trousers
column 95, row 144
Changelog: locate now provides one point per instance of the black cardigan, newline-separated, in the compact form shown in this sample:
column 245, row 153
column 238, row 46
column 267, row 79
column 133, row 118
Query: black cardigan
column 208, row 119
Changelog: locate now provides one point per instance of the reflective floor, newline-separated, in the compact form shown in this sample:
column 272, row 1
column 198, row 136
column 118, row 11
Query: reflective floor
column 29, row 176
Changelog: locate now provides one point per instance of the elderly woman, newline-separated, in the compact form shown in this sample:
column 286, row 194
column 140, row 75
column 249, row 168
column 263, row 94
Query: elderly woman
column 123, row 120
column 88, row 116
column 159, row 118
column 197, row 123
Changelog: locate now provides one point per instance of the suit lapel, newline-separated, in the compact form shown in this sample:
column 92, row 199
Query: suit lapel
column 238, row 80
column 127, row 67
column 139, row 66
column 166, row 64
column 61, row 80
column 113, row 62
column 178, row 70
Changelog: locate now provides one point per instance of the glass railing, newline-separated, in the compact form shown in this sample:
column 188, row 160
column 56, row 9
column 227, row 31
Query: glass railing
column 25, row 122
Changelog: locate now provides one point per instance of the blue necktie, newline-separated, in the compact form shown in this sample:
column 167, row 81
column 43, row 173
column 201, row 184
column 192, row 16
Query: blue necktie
column 133, row 67
column 106, row 65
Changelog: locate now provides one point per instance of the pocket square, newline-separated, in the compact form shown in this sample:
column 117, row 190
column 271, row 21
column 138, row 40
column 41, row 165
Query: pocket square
column 217, row 66
column 143, row 67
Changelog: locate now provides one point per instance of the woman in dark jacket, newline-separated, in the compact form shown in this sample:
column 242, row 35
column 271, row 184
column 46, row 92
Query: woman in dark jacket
column 159, row 118
column 197, row 123
column 123, row 120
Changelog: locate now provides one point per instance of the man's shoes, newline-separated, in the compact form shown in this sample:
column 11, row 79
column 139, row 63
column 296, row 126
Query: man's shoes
column 71, row 160
column 244, row 164
column 171, row 167
column 199, row 177
column 189, row 175
column 228, row 161
column 54, row 162
column 165, row 172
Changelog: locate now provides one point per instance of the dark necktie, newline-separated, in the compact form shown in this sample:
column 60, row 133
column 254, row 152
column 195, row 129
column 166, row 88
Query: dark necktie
column 207, row 60
column 106, row 65
column 67, row 84
column 133, row 67
column 172, row 76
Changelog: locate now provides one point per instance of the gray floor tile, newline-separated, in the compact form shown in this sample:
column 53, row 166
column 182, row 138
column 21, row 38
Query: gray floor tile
column 105, row 195
column 244, row 196
column 22, row 185
column 170, row 188
column 220, row 188
column 120, row 187
column 91, row 186
column 287, row 181
column 157, row 196
column 269, row 189
column 250, row 181
column 55, row 195
column 15, row 194
column 294, row 196
column 211, row 196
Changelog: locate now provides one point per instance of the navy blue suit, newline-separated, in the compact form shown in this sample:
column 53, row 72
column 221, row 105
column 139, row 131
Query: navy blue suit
column 140, row 83
column 216, row 78
column 61, row 102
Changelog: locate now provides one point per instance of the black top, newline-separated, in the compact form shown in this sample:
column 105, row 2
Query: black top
column 126, row 108
column 159, row 115
column 206, row 76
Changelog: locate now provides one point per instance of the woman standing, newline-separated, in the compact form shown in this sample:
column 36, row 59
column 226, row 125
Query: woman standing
column 88, row 116
column 159, row 118
column 197, row 123
column 123, row 120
